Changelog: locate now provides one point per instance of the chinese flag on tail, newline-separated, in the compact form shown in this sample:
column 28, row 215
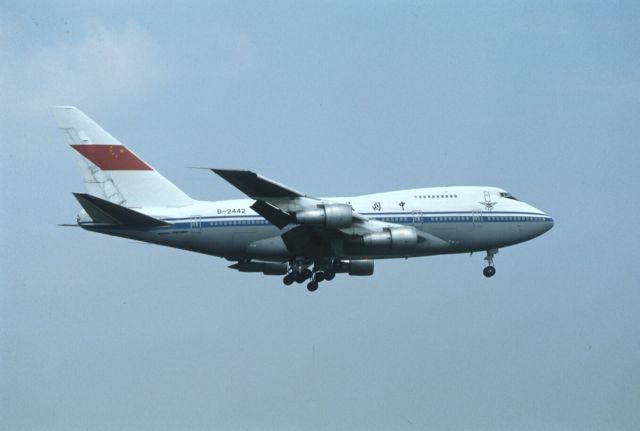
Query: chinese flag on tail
column 112, row 157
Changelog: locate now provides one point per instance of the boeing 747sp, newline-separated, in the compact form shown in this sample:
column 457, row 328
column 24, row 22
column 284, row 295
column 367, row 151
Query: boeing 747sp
column 280, row 230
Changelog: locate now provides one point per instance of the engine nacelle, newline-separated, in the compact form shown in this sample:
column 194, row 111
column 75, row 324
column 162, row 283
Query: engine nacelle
column 331, row 216
column 275, row 268
column 356, row 267
column 394, row 238
column 267, row 268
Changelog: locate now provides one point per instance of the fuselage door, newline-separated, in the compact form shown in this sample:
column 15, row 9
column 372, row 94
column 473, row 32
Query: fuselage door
column 417, row 218
column 195, row 224
column 476, row 217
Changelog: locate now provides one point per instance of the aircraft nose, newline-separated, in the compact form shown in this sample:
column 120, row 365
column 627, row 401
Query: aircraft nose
column 546, row 223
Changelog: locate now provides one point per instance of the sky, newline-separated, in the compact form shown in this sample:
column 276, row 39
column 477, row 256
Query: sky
column 331, row 98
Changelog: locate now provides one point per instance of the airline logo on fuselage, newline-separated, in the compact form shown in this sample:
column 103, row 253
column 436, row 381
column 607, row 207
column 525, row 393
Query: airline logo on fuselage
column 488, row 205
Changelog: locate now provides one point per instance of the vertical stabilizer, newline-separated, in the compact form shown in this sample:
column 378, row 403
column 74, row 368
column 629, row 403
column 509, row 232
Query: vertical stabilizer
column 110, row 170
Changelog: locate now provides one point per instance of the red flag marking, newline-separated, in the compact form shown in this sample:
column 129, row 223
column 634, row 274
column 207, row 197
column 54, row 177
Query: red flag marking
column 112, row 157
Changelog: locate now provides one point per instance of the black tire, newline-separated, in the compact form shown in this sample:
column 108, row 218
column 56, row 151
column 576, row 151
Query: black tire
column 329, row 275
column 307, row 273
column 289, row 279
column 312, row 286
column 489, row 271
column 319, row 276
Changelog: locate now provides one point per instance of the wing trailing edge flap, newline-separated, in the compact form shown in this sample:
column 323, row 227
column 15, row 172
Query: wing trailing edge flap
column 272, row 214
column 102, row 211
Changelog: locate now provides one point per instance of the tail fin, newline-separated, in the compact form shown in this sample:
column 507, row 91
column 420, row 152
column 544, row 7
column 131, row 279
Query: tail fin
column 110, row 170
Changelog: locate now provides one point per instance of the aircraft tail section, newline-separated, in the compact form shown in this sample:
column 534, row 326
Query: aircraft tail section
column 103, row 211
column 110, row 170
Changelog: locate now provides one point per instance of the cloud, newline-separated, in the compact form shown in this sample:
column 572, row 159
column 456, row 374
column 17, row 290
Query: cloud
column 105, row 66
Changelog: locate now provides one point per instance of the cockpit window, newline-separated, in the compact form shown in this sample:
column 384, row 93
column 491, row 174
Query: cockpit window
column 508, row 196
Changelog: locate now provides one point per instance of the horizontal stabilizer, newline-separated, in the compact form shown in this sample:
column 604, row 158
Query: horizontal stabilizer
column 256, row 186
column 102, row 211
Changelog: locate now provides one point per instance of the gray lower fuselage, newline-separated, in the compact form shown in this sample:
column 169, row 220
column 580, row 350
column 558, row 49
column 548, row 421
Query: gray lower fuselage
column 464, row 223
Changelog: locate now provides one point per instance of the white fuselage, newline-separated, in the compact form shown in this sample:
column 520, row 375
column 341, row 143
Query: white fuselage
column 458, row 219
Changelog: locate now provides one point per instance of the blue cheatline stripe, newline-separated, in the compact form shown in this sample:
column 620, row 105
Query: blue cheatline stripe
column 421, row 217
column 389, row 217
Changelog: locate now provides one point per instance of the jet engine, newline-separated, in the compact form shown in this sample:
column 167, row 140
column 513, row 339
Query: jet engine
column 356, row 267
column 394, row 238
column 331, row 216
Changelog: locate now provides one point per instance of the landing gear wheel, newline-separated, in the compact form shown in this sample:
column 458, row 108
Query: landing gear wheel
column 489, row 271
column 329, row 275
column 319, row 276
column 304, row 275
column 289, row 279
column 312, row 286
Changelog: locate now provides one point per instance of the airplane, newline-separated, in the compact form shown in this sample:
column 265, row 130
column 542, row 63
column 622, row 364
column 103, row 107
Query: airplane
column 280, row 230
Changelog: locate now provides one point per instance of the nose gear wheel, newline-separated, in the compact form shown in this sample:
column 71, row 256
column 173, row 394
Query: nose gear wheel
column 490, row 270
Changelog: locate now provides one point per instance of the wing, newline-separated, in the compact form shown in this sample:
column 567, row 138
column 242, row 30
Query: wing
column 316, row 226
column 256, row 186
column 275, row 202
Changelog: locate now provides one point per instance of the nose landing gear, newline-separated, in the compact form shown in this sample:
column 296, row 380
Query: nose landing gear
column 490, row 270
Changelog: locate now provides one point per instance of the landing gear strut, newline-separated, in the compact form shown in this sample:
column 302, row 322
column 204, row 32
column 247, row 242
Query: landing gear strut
column 489, row 270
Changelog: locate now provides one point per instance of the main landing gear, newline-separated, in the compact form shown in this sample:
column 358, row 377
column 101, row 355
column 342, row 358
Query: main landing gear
column 490, row 270
column 300, row 273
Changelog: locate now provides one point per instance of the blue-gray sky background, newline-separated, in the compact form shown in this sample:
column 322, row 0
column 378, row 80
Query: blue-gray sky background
column 332, row 98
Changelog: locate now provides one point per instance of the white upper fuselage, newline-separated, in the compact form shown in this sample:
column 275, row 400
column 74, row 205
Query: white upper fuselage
column 453, row 219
